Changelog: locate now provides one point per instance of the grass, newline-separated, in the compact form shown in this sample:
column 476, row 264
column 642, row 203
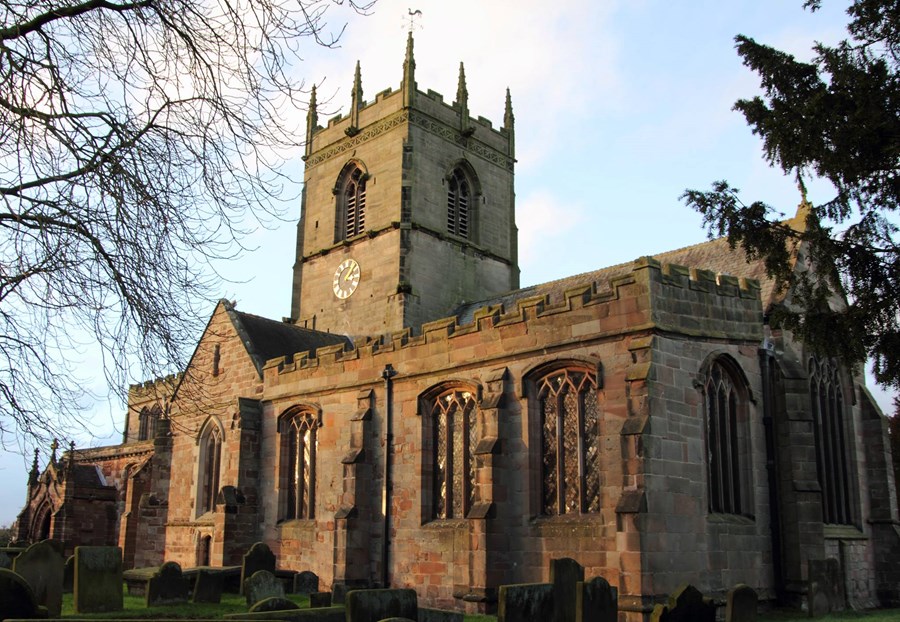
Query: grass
column 234, row 603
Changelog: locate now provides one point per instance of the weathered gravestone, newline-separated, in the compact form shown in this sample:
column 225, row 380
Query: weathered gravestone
column 167, row 586
column 274, row 603
column 259, row 557
column 817, row 603
column 5, row 560
column 306, row 582
column 69, row 575
column 596, row 601
column 565, row 573
column 319, row 599
column 827, row 574
column 16, row 598
column 741, row 604
column 262, row 585
column 98, row 579
column 525, row 602
column 338, row 593
column 376, row 605
column 208, row 587
column 42, row 566
column 686, row 604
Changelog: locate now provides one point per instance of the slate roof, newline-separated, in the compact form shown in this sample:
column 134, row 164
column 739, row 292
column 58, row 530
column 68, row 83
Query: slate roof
column 267, row 339
column 714, row 255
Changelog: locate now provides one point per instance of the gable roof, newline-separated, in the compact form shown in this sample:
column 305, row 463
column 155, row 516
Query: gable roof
column 266, row 339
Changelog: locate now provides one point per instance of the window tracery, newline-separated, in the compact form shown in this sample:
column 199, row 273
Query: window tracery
column 298, row 463
column 210, row 466
column 351, row 212
column 726, row 435
column 455, row 434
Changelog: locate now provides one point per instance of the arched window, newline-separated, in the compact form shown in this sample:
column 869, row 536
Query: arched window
column 459, row 198
column 147, row 422
column 455, row 434
column 727, row 441
column 210, row 465
column 569, row 415
column 298, row 463
column 827, row 403
column 351, row 203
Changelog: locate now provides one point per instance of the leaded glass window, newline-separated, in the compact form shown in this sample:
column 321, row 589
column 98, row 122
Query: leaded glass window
column 458, row 200
column 351, row 216
column 455, row 435
column 210, row 464
column 570, row 442
column 299, row 464
column 723, row 442
column 827, row 402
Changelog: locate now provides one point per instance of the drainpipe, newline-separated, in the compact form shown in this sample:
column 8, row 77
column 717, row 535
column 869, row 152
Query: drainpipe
column 388, row 375
column 766, row 356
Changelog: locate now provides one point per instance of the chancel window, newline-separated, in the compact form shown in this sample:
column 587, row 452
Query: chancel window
column 459, row 196
column 827, row 402
column 210, row 465
column 454, row 429
column 298, row 463
column 726, row 441
column 351, row 212
column 570, row 442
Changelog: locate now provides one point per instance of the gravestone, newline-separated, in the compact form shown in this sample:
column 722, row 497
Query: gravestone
column 167, row 586
column 259, row 557
column 817, row 604
column 69, row 575
column 319, row 599
column 338, row 593
column 208, row 587
column 741, row 604
column 274, row 603
column 596, row 601
column 5, row 560
column 262, row 585
column 525, row 602
column 565, row 573
column 686, row 604
column 376, row 605
column 42, row 566
column 17, row 598
column 306, row 582
column 440, row 615
column 827, row 573
column 98, row 579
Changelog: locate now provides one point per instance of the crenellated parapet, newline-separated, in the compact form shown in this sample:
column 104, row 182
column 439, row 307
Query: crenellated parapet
column 647, row 296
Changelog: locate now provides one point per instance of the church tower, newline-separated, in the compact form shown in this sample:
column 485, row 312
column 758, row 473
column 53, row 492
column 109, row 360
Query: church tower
column 408, row 210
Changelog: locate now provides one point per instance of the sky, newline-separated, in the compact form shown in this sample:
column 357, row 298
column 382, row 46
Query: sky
column 620, row 105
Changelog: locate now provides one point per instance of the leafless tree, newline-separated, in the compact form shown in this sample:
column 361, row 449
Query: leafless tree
column 136, row 138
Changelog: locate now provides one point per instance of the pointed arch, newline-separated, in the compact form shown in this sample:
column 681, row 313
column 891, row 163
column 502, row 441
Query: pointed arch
column 298, row 427
column 209, row 464
column 828, row 405
column 350, row 191
column 564, row 419
column 452, row 428
column 463, row 193
column 726, row 399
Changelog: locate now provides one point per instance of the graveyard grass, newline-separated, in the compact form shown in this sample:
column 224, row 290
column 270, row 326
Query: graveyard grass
column 233, row 603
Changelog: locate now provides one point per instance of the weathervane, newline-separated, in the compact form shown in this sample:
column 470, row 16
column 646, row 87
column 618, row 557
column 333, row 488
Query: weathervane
column 412, row 19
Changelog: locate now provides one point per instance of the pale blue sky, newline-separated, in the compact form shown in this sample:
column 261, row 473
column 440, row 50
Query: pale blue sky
column 620, row 106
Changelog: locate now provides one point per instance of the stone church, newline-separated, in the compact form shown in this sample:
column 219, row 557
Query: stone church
column 643, row 419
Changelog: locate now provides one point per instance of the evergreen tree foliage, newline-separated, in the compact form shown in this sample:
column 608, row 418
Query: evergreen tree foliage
column 838, row 118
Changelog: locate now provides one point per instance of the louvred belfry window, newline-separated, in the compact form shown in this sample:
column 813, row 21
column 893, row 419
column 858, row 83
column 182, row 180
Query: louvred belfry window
column 570, row 442
column 299, row 464
column 458, row 200
column 351, row 217
column 827, row 403
column 455, row 436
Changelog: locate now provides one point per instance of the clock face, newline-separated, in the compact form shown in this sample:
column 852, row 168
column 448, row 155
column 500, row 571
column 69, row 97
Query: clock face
column 346, row 278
